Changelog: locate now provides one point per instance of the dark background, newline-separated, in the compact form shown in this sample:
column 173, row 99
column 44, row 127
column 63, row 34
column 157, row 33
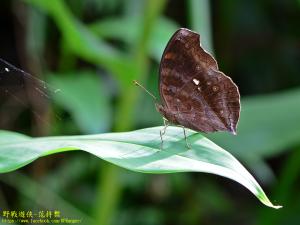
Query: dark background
column 92, row 50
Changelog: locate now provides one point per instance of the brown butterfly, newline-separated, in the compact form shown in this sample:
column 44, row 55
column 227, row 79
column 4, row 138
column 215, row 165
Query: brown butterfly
column 194, row 93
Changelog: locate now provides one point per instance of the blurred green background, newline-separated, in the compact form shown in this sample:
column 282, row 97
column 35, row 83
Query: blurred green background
column 92, row 50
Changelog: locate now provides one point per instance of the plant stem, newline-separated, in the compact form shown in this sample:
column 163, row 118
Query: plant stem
column 109, row 189
column 285, row 190
column 200, row 21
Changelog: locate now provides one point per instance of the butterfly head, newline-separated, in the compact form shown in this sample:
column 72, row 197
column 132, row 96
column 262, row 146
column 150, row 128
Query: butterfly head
column 166, row 113
column 161, row 109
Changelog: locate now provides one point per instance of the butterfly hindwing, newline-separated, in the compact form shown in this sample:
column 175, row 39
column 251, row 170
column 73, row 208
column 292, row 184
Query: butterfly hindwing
column 194, row 93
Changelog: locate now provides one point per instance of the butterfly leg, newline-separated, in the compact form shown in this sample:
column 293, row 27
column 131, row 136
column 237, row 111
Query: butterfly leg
column 188, row 145
column 162, row 132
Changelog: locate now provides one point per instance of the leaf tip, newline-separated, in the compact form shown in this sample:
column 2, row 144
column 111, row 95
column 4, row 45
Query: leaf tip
column 265, row 200
column 269, row 204
column 277, row 206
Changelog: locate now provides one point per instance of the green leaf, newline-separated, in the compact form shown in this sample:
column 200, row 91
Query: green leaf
column 84, row 44
column 127, row 30
column 137, row 151
column 83, row 95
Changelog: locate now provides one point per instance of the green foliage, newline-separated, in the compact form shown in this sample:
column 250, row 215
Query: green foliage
column 117, row 41
column 85, row 98
column 138, row 151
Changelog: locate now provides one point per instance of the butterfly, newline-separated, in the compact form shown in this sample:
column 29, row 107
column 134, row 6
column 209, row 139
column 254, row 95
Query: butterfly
column 194, row 93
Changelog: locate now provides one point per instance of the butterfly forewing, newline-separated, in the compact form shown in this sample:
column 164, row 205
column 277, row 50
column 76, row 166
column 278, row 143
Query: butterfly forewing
column 194, row 93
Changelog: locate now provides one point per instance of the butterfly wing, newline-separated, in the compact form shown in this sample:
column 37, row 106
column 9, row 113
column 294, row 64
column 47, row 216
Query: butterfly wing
column 194, row 93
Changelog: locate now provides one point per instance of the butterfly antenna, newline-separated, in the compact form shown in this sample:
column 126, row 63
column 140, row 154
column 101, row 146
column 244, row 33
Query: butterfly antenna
column 141, row 86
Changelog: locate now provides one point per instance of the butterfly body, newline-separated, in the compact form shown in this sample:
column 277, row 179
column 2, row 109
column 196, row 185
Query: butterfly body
column 194, row 93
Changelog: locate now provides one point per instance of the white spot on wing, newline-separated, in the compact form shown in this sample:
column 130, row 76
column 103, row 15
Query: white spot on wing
column 6, row 69
column 196, row 81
